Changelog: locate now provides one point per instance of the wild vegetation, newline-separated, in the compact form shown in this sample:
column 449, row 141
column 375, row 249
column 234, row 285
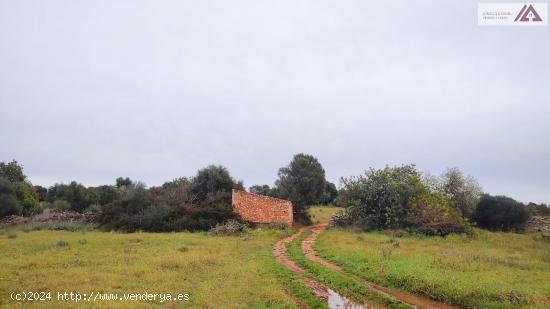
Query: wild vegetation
column 401, row 197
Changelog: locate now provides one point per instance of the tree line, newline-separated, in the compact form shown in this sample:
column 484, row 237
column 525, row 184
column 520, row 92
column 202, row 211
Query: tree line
column 387, row 198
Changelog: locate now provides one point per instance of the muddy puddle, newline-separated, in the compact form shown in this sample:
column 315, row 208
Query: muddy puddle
column 337, row 301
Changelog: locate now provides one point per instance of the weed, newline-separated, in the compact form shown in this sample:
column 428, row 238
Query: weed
column 62, row 244
column 386, row 252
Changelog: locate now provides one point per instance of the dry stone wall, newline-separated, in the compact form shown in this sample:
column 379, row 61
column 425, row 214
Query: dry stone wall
column 258, row 208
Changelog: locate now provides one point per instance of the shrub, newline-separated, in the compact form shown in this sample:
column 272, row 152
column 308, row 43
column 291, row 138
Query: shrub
column 435, row 214
column 62, row 244
column 57, row 226
column 341, row 219
column 501, row 213
column 230, row 227
column 380, row 199
column 58, row 204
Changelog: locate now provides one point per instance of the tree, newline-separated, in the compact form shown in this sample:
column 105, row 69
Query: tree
column 538, row 209
column 123, row 182
column 42, row 193
column 263, row 190
column 78, row 196
column 12, row 171
column 9, row 204
column 329, row 194
column 211, row 180
column 465, row 191
column 18, row 196
column 302, row 182
column 103, row 195
column 126, row 213
column 501, row 213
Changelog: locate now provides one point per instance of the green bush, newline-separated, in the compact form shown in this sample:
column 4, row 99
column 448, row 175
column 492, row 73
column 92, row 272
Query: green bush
column 435, row 214
column 380, row 199
column 501, row 213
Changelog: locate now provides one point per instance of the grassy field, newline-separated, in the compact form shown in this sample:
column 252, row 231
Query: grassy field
column 216, row 272
column 489, row 270
column 322, row 214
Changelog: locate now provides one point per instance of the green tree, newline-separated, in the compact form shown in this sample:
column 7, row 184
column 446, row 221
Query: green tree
column 501, row 213
column 329, row 194
column 14, row 184
column 127, row 213
column 9, row 204
column 302, row 182
column 74, row 193
column 123, row 182
column 12, row 171
column 263, row 190
column 211, row 180
column 465, row 191
column 42, row 193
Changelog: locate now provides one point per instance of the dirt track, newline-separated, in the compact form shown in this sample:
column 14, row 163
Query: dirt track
column 321, row 291
column 409, row 299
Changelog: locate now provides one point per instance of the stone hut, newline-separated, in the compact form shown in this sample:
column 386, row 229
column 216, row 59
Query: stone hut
column 258, row 208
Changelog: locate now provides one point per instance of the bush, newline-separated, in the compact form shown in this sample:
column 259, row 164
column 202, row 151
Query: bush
column 168, row 208
column 230, row 227
column 380, row 199
column 57, row 226
column 341, row 219
column 57, row 204
column 435, row 214
column 62, row 244
column 501, row 213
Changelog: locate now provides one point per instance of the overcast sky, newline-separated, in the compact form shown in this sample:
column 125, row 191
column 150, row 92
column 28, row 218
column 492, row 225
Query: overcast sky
column 154, row 90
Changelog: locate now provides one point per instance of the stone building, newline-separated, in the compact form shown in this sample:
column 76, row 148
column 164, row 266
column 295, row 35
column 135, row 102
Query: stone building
column 258, row 208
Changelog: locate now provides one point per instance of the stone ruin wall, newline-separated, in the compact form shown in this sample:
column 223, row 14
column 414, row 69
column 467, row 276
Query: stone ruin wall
column 258, row 208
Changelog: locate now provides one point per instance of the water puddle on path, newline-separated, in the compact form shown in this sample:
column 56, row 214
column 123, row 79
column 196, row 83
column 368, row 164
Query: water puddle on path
column 337, row 301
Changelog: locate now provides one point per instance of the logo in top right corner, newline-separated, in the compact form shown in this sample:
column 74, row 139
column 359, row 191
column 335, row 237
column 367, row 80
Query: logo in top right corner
column 528, row 14
column 512, row 14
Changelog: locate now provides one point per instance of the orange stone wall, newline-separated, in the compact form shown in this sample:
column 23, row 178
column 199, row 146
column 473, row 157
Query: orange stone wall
column 258, row 208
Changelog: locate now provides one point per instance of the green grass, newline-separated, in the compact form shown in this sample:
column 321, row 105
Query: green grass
column 216, row 272
column 344, row 284
column 489, row 270
column 322, row 214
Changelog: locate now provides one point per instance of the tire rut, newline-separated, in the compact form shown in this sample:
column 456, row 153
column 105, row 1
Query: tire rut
column 412, row 300
column 332, row 298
